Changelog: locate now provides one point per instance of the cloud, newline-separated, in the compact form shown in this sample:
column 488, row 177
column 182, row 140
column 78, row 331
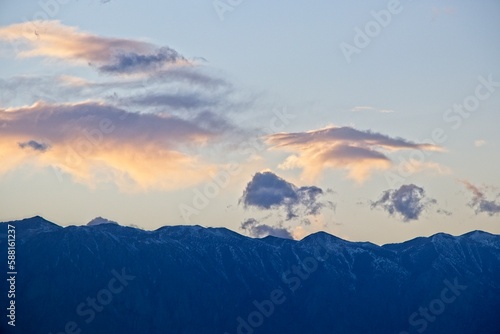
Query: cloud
column 95, row 142
column 367, row 108
column 268, row 191
column 359, row 152
column 174, row 90
column 479, row 143
column 34, row 145
column 259, row 230
column 134, row 62
column 444, row 212
column 409, row 201
column 479, row 201
column 108, row 55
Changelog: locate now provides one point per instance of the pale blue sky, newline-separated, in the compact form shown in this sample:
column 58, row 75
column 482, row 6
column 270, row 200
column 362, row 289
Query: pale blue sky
column 278, row 56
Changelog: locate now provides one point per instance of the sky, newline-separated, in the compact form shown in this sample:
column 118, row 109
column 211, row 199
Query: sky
column 370, row 120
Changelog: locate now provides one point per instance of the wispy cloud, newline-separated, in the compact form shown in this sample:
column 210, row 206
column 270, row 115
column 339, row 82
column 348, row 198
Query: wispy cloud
column 479, row 201
column 108, row 55
column 368, row 108
column 359, row 152
column 409, row 202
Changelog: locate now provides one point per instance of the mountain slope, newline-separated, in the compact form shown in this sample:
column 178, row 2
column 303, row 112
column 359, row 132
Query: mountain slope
column 187, row 279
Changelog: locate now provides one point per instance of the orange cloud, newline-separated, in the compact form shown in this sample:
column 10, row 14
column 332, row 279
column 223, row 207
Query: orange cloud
column 96, row 143
column 358, row 152
column 110, row 55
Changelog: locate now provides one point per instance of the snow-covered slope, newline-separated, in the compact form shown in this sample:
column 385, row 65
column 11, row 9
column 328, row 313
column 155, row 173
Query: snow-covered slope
column 190, row 279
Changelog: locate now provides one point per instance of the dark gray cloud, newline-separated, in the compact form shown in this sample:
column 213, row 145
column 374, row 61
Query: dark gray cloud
column 409, row 201
column 259, row 230
column 34, row 145
column 133, row 62
column 174, row 100
column 479, row 201
column 268, row 191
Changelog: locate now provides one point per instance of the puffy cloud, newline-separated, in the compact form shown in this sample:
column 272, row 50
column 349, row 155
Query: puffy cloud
column 409, row 201
column 259, row 230
column 268, row 191
column 95, row 142
column 479, row 201
column 109, row 55
column 359, row 152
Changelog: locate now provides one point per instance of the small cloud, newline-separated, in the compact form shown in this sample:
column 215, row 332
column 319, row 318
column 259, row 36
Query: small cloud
column 479, row 143
column 479, row 201
column 366, row 108
column 135, row 226
column 259, row 230
column 409, row 201
column 34, row 145
column 135, row 62
column 444, row 10
column 444, row 212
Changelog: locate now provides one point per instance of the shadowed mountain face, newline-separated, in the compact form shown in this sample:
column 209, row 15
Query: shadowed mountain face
column 108, row 278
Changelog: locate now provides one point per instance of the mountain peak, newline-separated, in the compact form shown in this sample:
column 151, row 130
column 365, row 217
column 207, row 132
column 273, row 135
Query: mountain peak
column 481, row 236
column 100, row 221
column 35, row 223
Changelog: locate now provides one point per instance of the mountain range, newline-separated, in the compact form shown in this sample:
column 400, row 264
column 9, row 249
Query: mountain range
column 107, row 278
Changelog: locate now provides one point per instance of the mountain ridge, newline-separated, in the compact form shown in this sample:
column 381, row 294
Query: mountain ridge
column 35, row 220
column 213, row 280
